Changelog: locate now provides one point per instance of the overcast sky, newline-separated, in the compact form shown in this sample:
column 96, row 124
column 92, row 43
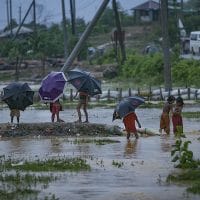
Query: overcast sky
column 50, row 10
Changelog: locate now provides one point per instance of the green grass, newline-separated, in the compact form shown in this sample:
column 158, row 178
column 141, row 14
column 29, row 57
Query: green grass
column 26, row 180
column 190, row 177
column 61, row 164
column 96, row 141
column 191, row 114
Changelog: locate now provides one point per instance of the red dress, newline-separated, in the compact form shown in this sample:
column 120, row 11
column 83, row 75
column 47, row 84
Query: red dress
column 129, row 122
column 55, row 108
column 177, row 120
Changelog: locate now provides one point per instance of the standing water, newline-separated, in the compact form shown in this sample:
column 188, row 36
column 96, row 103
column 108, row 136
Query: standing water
column 135, row 169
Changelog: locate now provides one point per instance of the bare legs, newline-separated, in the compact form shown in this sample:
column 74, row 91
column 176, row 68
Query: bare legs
column 78, row 108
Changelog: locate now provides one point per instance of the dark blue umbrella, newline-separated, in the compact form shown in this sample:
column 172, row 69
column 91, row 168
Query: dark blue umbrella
column 18, row 95
column 84, row 82
column 52, row 87
column 127, row 106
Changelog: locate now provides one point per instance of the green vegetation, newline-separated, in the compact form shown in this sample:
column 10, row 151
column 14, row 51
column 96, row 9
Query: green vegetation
column 190, row 177
column 183, row 158
column 96, row 141
column 148, row 69
column 25, row 180
column 118, row 164
column 191, row 114
column 60, row 164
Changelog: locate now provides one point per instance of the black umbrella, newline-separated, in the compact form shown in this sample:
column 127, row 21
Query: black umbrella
column 84, row 82
column 18, row 95
column 126, row 106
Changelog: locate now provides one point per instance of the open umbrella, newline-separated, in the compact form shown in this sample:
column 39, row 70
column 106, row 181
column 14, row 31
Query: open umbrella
column 52, row 86
column 84, row 82
column 127, row 106
column 18, row 95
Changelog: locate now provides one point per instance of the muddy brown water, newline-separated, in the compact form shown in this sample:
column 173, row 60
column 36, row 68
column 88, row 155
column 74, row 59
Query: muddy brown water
column 146, row 161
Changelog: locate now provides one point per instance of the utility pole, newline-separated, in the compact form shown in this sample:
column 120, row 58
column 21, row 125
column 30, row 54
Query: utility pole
column 84, row 36
column 20, row 14
column 165, row 45
column 34, row 17
column 73, row 16
column 8, row 13
column 11, row 27
column 120, row 36
column 64, row 23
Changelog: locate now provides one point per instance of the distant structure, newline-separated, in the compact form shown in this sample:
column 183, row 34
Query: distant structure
column 147, row 11
column 22, row 33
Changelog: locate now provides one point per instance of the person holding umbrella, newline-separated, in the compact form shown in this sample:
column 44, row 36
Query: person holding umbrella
column 83, row 101
column 86, row 85
column 126, row 110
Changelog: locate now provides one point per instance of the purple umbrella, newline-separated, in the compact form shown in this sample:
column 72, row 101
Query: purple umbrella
column 52, row 87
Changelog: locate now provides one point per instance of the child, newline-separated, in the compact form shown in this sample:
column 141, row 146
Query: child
column 176, row 117
column 55, row 108
column 15, row 113
column 165, row 119
column 129, row 123
column 83, row 101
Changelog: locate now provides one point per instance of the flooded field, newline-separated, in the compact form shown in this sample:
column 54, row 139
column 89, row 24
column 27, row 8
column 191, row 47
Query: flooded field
column 129, row 170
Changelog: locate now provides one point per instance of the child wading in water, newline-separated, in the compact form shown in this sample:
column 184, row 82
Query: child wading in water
column 165, row 118
column 176, row 117
column 129, row 123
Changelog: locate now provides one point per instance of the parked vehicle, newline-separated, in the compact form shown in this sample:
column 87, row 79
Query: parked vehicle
column 195, row 42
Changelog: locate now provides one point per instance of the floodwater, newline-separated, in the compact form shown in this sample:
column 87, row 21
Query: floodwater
column 146, row 161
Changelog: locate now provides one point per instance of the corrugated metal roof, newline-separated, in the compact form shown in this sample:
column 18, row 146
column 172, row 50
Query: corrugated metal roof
column 149, row 5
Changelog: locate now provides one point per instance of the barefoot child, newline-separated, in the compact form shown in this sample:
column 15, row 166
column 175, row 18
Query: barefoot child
column 177, row 117
column 129, row 123
column 165, row 118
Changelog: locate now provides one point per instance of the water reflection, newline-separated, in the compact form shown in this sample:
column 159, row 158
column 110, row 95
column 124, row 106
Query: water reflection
column 165, row 142
column 131, row 148
column 56, row 145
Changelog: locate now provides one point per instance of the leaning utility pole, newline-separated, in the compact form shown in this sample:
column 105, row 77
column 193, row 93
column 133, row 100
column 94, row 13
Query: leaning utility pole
column 64, row 23
column 119, row 31
column 165, row 45
column 84, row 37
column 23, row 20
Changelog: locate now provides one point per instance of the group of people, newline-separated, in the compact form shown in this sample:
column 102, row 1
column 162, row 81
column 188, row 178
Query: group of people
column 175, row 111
column 56, row 107
column 129, row 120
column 169, row 109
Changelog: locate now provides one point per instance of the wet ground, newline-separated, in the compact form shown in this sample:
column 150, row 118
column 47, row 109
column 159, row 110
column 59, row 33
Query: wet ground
column 146, row 162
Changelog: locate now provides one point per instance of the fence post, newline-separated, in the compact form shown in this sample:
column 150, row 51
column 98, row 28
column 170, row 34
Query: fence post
column 138, row 91
column 129, row 92
column 108, row 94
column 150, row 93
column 195, row 95
column 179, row 92
column 161, row 95
column 188, row 93
column 71, row 95
column 120, row 94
